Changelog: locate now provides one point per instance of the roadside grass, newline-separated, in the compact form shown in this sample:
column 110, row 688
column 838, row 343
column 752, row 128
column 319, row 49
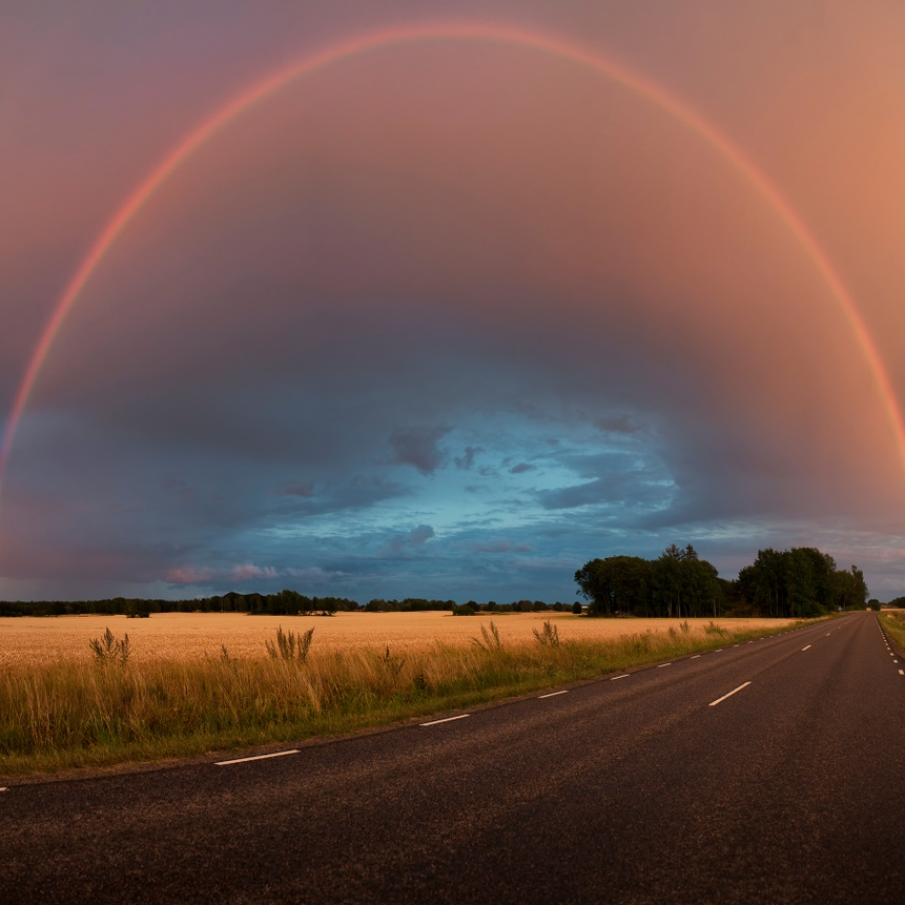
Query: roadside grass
column 894, row 624
column 113, row 711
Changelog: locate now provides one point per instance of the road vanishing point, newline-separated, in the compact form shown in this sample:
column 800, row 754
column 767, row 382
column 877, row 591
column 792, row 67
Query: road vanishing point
column 771, row 771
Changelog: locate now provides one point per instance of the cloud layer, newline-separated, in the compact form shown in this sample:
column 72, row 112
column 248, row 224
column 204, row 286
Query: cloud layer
column 447, row 320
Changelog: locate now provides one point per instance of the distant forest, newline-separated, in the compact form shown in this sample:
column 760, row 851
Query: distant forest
column 284, row 603
column 797, row 583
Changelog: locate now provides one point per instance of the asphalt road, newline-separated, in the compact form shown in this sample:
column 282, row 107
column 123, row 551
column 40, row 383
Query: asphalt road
column 653, row 787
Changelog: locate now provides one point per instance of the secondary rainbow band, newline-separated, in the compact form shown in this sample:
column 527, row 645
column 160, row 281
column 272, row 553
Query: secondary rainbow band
column 461, row 31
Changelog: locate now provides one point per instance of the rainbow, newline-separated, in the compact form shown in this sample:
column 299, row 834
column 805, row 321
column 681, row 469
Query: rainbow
column 454, row 31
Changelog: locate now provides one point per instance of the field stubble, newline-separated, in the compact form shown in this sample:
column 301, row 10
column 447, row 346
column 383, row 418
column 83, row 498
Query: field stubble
column 196, row 683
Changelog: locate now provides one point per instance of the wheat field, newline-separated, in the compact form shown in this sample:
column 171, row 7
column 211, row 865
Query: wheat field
column 188, row 683
column 27, row 641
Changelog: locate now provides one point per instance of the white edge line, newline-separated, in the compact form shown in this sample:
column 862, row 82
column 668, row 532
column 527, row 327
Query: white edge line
column 245, row 760
column 625, row 675
column 448, row 719
column 552, row 694
column 723, row 698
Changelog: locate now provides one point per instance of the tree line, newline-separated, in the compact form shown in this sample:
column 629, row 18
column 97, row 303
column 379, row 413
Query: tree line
column 469, row 608
column 797, row 583
column 283, row 603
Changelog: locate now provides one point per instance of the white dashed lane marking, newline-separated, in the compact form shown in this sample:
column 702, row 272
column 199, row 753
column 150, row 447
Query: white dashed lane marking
column 245, row 760
column 448, row 719
column 664, row 664
column 552, row 694
column 729, row 695
column 625, row 675
column 805, row 648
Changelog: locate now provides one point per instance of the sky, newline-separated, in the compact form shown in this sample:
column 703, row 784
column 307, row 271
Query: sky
column 444, row 299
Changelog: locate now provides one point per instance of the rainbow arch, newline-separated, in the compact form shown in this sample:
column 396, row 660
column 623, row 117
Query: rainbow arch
column 498, row 33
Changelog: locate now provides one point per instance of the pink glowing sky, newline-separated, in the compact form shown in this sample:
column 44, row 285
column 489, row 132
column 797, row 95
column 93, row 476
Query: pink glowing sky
column 448, row 317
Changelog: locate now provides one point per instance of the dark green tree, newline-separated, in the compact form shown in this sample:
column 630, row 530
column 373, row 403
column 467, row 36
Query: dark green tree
column 617, row 584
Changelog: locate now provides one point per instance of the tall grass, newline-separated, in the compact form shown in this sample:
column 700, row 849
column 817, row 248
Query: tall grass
column 97, row 713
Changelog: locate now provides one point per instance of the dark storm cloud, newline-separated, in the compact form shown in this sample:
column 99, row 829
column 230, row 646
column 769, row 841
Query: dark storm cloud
column 418, row 447
column 620, row 424
column 402, row 546
column 466, row 460
column 345, row 493
column 500, row 546
column 627, row 493
column 297, row 488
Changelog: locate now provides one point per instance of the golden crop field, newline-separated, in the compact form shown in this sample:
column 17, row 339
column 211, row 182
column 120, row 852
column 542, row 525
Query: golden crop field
column 186, row 636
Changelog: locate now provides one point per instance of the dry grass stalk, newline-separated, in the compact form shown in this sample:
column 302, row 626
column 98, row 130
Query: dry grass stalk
column 109, row 649
column 490, row 639
column 290, row 645
column 549, row 637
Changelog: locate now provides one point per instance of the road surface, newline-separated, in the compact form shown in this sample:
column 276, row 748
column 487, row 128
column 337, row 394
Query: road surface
column 772, row 771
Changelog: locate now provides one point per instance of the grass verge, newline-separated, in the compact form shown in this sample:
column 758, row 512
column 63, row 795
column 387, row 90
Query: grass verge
column 112, row 711
column 894, row 625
